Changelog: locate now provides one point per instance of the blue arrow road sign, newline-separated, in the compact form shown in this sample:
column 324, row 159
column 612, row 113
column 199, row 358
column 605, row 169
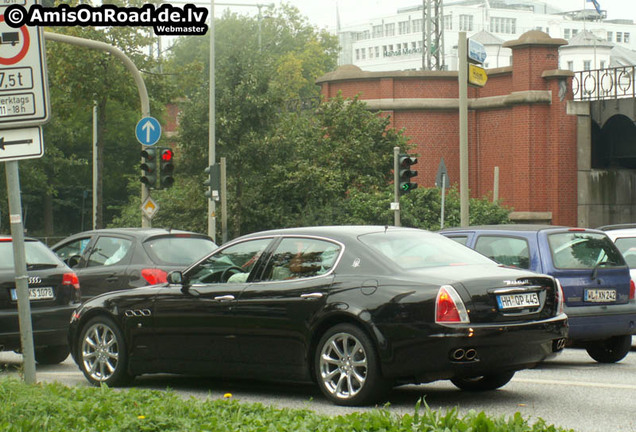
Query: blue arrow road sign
column 148, row 131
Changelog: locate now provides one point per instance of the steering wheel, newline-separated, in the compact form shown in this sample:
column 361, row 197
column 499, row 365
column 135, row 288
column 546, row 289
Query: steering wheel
column 229, row 272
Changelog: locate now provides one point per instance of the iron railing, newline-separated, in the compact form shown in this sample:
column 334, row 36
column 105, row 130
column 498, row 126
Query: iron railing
column 603, row 84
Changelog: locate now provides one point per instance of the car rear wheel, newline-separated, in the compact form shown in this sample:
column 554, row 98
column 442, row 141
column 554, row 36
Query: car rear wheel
column 484, row 382
column 102, row 353
column 610, row 350
column 347, row 367
column 51, row 355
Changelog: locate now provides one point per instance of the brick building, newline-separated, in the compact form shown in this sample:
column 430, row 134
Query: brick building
column 517, row 122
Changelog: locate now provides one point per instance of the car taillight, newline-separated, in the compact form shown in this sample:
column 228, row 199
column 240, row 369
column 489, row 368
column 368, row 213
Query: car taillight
column 632, row 289
column 71, row 279
column 449, row 307
column 560, row 297
column 154, row 276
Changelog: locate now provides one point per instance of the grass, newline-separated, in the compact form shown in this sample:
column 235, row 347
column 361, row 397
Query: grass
column 55, row 408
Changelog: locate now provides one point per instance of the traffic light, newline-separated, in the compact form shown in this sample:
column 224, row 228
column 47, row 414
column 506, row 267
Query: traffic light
column 149, row 167
column 213, row 181
column 406, row 173
column 166, row 167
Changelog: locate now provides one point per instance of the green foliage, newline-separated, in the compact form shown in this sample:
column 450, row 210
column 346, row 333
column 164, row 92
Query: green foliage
column 54, row 407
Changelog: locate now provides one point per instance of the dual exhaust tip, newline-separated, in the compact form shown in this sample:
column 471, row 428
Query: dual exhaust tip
column 559, row 344
column 464, row 355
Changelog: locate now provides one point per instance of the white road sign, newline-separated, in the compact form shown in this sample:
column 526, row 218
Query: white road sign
column 24, row 97
column 16, row 144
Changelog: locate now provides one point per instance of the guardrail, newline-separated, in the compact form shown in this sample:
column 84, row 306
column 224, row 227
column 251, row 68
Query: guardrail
column 603, row 84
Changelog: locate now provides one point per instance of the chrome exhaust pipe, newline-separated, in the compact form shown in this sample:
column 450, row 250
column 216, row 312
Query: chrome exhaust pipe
column 471, row 354
column 458, row 354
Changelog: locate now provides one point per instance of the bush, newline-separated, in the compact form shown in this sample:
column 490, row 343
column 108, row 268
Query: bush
column 54, row 407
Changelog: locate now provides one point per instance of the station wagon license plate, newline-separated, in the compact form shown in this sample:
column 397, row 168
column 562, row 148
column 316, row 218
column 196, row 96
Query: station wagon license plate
column 518, row 301
column 600, row 295
column 43, row 293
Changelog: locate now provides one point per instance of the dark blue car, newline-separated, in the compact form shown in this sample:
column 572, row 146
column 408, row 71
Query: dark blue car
column 598, row 290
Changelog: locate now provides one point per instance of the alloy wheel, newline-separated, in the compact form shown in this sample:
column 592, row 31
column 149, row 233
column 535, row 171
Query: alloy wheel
column 100, row 352
column 343, row 365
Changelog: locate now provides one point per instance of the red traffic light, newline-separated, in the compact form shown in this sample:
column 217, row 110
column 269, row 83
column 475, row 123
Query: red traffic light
column 166, row 155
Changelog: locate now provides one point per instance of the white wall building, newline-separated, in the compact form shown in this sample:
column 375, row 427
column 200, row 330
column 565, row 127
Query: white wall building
column 395, row 42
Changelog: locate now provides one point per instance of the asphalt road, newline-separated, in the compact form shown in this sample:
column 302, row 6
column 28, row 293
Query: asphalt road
column 570, row 391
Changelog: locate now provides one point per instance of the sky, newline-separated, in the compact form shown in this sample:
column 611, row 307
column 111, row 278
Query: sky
column 322, row 13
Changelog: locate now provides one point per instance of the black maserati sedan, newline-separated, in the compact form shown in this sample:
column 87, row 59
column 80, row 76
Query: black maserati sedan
column 356, row 309
column 54, row 293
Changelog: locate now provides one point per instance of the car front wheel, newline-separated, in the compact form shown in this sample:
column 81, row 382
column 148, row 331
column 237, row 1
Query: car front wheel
column 102, row 353
column 610, row 350
column 347, row 368
column 484, row 382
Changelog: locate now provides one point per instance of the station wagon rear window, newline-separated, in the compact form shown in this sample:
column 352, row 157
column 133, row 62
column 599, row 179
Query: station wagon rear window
column 583, row 250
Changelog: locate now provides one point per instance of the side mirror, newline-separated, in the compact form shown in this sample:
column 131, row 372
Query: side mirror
column 73, row 260
column 175, row 277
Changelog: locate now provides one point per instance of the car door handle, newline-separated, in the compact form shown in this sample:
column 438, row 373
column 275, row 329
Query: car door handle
column 223, row 298
column 311, row 296
column 111, row 279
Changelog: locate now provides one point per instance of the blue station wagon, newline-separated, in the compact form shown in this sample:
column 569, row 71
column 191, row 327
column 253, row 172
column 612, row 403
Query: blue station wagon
column 598, row 290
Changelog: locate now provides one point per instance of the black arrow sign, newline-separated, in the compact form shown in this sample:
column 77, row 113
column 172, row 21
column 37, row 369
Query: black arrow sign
column 4, row 143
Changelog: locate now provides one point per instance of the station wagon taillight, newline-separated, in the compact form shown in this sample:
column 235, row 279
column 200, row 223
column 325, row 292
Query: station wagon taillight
column 632, row 289
column 449, row 307
column 71, row 279
column 154, row 276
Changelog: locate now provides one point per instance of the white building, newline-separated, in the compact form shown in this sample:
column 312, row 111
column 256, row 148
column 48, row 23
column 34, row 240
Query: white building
column 395, row 42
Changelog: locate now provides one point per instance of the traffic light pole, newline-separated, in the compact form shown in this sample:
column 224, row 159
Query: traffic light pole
column 396, row 186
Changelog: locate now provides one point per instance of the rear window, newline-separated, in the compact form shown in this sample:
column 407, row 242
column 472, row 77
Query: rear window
column 419, row 249
column 583, row 250
column 37, row 255
column 181, row 251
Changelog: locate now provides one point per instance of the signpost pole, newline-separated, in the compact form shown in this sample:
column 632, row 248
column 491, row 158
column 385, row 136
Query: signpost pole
column 21, row 277
column 441, row 218
column 396, row 185
column 463, row 129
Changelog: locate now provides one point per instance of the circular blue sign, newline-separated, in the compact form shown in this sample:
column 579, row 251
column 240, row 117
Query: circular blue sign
column 148, row 131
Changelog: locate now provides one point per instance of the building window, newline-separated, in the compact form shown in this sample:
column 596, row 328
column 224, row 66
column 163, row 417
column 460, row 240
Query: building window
column 465, row 23
column 609, row 36
column 389, row 30
column 417, row 25
column 503, row 25
column 363, row 53
column 574, row 32
column 571, row 65
column 383, row 50
column 587, row 65
column 619, row 37
column 448, row 22
column 626, row 37
column 377, row 51
column 404, row 27
column 602, row 64
column 370, row 52
column 377, row 31
column 566, row 34
column 357, row 54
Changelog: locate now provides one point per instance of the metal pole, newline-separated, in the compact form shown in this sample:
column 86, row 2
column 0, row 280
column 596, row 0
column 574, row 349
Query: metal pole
column 495, row 193
column 396, row 185
column 224, row 200
column 212, row 126
column 95, row 166
column 441, row 218
column 21, row 277
column 463, row 129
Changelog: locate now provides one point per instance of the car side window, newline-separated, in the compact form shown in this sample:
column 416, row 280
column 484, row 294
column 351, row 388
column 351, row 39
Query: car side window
column 627, row 246
column 109, row 251
column 461, row 239
column 296, row 258
column 229, row 265
column 510, row 251
column 72, row 249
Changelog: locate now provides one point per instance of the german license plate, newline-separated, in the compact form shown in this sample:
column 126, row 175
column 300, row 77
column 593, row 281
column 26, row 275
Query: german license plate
column 600, row 295
column 518, row 301
column 43, row 293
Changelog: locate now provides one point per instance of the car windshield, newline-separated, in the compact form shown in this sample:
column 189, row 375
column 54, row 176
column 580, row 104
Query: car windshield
column 37, row 255
column 178, row 250
column 583, row 250
column 411, row 249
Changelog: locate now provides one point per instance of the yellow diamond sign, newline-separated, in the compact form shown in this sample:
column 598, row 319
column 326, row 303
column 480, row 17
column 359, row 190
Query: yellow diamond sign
column 477, row 75
column 149, row 207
